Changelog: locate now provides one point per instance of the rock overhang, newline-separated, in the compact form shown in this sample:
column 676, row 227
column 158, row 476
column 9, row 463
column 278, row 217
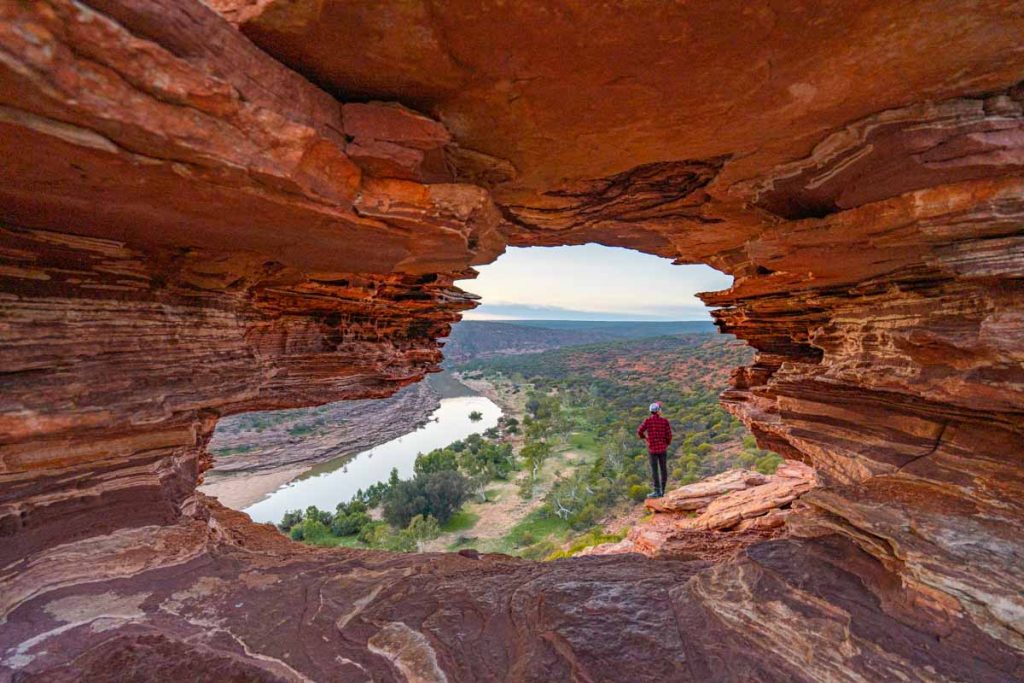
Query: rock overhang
column 191, row 229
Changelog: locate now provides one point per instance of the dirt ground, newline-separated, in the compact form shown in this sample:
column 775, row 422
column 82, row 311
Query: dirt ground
column 497, row 517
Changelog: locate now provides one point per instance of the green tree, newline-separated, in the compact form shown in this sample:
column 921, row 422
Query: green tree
column 437, row 460
column 534, row 454
column 290, row 519
column 315, row 513
column 348, row 524
column 313, row 531
column 533, row 405
column 438, row 494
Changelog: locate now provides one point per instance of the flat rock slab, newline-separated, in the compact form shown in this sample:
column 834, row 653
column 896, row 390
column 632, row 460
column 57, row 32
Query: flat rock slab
column 699, row 495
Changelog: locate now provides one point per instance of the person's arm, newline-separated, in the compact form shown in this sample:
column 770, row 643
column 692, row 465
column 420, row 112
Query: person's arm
column 668, row 432
column 641, row 431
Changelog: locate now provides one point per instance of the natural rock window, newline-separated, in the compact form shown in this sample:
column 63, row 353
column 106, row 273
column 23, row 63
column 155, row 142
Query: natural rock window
column 210, row 209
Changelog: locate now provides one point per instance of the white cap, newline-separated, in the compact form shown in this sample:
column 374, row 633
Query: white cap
column 655, row 407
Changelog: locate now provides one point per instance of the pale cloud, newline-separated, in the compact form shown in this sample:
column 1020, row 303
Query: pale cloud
column 590, row 283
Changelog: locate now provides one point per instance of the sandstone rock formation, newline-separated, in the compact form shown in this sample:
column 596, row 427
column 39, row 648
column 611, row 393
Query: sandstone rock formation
column 192, row 228
column 716, row 517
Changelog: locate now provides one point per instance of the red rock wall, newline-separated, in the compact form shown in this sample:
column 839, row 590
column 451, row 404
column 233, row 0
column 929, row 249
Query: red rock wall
column 190, row 229
column 184, row 237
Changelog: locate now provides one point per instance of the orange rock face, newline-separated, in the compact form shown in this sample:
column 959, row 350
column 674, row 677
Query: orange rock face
column 204, row 213
column 717, row 517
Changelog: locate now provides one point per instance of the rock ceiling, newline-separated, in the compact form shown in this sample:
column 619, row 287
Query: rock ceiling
column 260, row 204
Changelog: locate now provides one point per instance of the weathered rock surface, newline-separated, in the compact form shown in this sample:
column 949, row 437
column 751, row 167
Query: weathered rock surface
column 717, row 517
column 697, row 496
column 736, row 508
column 192, row 229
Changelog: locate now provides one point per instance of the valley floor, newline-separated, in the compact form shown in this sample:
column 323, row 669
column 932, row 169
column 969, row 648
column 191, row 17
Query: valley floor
column 487, row 525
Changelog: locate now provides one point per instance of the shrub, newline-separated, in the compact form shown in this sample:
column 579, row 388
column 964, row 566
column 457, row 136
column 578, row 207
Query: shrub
column 768, row 464
column 314, row 531
column 315, row 513
column 637, row 493
column 438, row 494
column 587, row 540
column 476, row 416
column 349, row 524
column 296, row 533
column 401, row 542
column 380, row 535
column 526, row 538
column 290, row 519
column 370, row 533
column 539, row 551
column 481, row 457
column 585, row 518
column 423, row 528
column 355, row 505
column 437, row 460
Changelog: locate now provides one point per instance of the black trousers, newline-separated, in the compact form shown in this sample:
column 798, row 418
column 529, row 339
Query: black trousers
column 659, row 462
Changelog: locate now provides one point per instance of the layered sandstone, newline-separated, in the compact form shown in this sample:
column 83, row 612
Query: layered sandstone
column 717, row 517
column 192, row 228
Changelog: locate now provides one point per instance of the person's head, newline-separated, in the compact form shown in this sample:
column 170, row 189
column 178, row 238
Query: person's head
column 655, row 408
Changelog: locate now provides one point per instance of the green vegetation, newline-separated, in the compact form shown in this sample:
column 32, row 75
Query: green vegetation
column 535, row 536
column 406, row 540
column 587, row 540
column 580, row 460
column 592, row 398
column 414, row 510
column 472, row 339
column 476, row 416
column 460, row 521
column 435, row 494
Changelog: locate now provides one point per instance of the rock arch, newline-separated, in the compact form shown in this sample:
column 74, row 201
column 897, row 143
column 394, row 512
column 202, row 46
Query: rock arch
column 190, row 228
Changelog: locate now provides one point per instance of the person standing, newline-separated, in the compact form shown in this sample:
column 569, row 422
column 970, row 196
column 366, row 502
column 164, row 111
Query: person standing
column 658, row 433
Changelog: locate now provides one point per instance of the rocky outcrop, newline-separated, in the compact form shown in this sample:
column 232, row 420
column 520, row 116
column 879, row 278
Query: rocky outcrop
column 757, row 505
column 181, row 214
column 192, row 228
column 717, row 517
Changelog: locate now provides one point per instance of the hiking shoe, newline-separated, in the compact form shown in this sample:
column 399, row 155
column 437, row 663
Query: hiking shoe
column 653, row 494
column 661, row 493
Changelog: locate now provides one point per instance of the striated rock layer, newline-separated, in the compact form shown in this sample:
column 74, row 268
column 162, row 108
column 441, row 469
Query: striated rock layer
column 189, row 228
column 715, row 518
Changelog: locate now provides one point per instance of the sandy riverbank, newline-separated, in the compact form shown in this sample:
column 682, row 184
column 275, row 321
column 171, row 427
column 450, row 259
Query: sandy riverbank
column 242, row 489
column 256, row 453
column 509, row 397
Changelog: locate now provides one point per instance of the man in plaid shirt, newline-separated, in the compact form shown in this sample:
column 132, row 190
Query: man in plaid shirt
column 658, row 433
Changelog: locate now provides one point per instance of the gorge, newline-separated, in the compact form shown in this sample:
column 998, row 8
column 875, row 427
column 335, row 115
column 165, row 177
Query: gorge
column 207, row 209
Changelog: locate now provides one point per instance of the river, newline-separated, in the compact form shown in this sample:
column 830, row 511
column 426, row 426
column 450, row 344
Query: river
column 337, row 480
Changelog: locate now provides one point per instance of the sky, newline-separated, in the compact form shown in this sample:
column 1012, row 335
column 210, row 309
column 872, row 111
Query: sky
column 590, row 282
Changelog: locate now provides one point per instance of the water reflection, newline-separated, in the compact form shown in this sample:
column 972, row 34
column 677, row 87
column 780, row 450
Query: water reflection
column 337, row 480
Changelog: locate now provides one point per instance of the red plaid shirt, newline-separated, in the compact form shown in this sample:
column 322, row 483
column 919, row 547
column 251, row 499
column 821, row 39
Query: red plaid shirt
column 658, row 433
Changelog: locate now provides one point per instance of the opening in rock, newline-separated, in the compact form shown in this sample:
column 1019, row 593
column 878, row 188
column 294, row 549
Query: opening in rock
column 527, row 439
column 190, row 228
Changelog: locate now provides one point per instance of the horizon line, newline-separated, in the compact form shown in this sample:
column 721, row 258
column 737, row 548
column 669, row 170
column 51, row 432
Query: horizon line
column 578, row 320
